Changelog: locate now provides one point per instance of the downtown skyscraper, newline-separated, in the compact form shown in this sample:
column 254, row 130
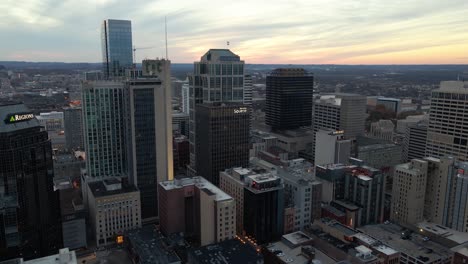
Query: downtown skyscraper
column 30, row 220
column 150, row 134
column 104, row 129
column 289, row 97
column 223, row 131
column 116, row 43
column 447, row 132
column 217, row 77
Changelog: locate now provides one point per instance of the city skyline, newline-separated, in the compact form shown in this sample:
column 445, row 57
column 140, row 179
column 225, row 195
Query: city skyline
column 321, row 32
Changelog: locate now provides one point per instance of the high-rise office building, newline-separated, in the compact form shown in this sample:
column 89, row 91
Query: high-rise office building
column 217, row 77
column 408, row 194
column 263, row 207
column 197, row 208
column 289, row 97
column 104, row 128
column 391, row 104
column 222, row 138
column 356, row 190
column 414, row 143
column 116, row 44
column 30, row 220
column 447, row 132
column 73, row 128
column 150, row 137
column 340, row 111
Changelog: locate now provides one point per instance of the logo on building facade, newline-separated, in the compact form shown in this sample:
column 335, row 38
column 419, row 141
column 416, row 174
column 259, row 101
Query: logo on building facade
column 15, row 118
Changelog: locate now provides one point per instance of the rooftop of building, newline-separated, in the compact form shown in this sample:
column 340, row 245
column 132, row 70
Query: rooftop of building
column 336, row 98
column 375, row 244
column 389, row 99
column 198, row 182
column 445, row 232
column 226, row 252
column 453, row 86
column 220, row 55
column 290, row 72
column 384, row 146
column 384, row 123
column 65, row 256
column 111, row 186
column 149, row 245
column 294, row 247
column 415, row 246
column 8, row 119
column 461, row 249
column 264, row 177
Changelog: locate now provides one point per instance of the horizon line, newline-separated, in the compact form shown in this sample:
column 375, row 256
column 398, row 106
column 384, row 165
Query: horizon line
column 324, row 64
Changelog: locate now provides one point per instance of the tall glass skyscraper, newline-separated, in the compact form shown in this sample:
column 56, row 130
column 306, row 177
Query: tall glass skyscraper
column 218, row 77
column 30, row 220
column 116, row 40
column 104, row 129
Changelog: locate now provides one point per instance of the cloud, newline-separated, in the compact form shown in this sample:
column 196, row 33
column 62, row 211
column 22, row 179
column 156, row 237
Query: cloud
column 261, row 31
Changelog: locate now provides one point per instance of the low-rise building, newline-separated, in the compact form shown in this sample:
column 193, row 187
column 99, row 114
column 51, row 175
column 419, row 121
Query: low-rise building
column 294, row 248
column 147, row 246
column 197, row 208
column 114, row 207
column 225, row 252
column 65, row 256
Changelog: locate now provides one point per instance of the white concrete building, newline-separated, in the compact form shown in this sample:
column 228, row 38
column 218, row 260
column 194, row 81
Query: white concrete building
column 447, row 132
column 331, row 147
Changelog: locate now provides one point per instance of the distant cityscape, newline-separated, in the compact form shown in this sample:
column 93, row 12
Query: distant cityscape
column 223, row 161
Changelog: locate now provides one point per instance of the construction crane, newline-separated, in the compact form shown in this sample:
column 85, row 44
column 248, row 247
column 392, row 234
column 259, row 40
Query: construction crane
column 134, row 53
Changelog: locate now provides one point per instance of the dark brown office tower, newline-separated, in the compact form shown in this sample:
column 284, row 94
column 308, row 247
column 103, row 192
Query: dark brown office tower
column 289, row 96
column 30, row 220
column 222, row 141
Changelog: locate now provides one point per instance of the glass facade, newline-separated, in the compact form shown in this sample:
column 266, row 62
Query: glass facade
column 116, row 40
column 104, row 129
column 30, row 220
column 145, row 151
column 218, row 77
column 289, row 96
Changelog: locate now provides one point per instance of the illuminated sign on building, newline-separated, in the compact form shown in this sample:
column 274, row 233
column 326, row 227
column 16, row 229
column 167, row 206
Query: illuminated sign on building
column 338, row 132
column 20, row 117
column 240, row 110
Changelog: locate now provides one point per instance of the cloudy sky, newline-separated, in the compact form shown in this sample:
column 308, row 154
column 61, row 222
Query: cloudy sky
column 260, row 31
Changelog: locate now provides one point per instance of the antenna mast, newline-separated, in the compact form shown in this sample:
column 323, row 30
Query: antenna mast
column 165, row 29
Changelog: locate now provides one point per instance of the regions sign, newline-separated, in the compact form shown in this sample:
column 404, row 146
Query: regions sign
column 19, row 117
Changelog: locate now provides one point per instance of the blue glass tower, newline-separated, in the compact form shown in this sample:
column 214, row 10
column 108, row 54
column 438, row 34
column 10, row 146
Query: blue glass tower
column 116, row 39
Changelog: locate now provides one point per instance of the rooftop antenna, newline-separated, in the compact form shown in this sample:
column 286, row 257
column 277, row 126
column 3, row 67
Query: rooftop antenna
column 165, row 30
column 227, row 43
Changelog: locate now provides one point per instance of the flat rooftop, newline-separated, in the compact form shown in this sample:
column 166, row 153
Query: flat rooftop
column 415, row 246
column 148, row 244
column 226, row 252
column 445, row 232
column 295, row 256
column 265, row 177
column 198, row 182
column 375, row 244
column 99, row 189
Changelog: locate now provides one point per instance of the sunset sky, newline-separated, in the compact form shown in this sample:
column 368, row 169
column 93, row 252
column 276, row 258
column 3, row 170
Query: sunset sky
column 260, row 31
